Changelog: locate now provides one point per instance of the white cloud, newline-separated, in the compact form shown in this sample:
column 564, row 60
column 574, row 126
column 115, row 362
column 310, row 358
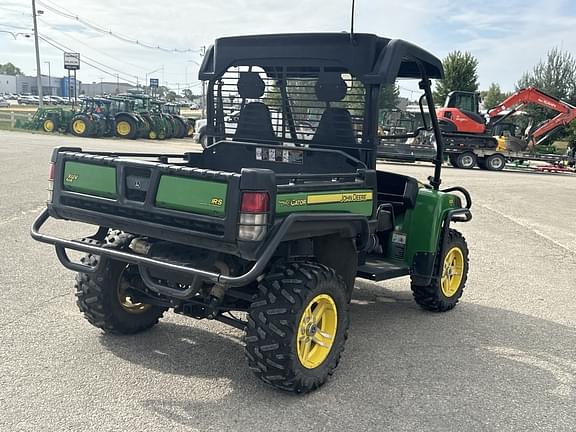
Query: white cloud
column 507, row 37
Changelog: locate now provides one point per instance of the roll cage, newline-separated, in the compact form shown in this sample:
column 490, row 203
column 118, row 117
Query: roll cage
column 304, row 89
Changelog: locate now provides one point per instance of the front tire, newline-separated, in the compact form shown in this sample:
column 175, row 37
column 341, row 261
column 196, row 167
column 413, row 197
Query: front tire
column 297, row 327
column 466, row 160
column 81, row 126
column 447, row 285
column 49, row 125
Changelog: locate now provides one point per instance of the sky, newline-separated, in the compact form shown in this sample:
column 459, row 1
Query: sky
column 507, row 37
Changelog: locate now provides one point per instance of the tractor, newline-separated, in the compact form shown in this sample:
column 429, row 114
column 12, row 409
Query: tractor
column 50, row 120
column 160, row 127
column 187, row 124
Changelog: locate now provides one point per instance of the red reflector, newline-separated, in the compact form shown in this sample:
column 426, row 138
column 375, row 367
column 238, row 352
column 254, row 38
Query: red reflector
column 255, row 202
column 51, row 171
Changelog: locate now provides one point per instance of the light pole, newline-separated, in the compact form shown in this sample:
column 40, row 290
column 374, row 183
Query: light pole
column 38, row 71
column 49, row 78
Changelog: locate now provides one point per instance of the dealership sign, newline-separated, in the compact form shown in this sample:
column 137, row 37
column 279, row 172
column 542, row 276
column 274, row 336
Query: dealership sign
column 71, row 61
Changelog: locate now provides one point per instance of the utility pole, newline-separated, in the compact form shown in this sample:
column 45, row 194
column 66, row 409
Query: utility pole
column 49, row 78
column 101, row 86
column 202, row 54
column 38, row 71
column 117, row 84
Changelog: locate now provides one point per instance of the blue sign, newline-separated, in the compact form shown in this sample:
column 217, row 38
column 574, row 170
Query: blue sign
column 154, row 82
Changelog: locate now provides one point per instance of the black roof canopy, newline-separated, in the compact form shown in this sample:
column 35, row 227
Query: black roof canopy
column 370, row 58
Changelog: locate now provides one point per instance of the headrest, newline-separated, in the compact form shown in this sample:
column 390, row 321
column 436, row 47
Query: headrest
column 330, row 87
column 250, row 85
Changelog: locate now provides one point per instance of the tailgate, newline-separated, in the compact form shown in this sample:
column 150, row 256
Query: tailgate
column 145, row 197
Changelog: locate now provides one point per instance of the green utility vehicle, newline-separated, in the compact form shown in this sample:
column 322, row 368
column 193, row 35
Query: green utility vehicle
column 268, row 227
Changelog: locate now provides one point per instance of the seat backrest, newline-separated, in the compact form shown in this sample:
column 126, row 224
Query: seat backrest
column 255, row 121
column 335, row 127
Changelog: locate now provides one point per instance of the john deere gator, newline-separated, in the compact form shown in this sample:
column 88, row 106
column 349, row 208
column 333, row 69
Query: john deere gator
column 267, row 228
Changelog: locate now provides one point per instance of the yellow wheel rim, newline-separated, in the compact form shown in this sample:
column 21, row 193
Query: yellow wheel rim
column 123, row 128
column 152, row 135
column 125, row 300
column 316, row 331
column 452, row 271
column 79, row 126
column 49, row 125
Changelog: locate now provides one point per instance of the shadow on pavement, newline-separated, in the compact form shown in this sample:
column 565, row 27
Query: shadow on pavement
column 475, row 368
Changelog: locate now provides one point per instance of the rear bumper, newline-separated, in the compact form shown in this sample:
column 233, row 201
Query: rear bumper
column 290, row 225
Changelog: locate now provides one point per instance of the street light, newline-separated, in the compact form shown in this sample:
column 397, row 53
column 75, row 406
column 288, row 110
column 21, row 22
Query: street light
column 49, row 78
column 15, row 35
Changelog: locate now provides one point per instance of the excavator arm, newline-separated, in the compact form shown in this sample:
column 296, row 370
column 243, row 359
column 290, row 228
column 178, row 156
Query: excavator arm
column 531, row 95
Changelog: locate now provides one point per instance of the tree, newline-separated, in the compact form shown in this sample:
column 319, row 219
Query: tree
column 493, row 96
column 170, row 96
column 389, row 96
column 556, row 76
column 188, row 94
column 10, row 69
column 460, row 73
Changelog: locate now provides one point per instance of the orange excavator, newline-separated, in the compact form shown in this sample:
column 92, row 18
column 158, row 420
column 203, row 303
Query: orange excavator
column 460, row 113
column 471, row 138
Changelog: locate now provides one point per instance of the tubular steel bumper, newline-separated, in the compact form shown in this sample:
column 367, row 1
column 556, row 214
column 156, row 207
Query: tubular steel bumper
column 144, row 262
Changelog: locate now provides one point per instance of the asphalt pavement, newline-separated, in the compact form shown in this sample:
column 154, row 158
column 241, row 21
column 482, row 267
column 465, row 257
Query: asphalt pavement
column 503, row 360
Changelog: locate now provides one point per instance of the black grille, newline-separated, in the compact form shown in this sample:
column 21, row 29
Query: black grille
column 321, row 106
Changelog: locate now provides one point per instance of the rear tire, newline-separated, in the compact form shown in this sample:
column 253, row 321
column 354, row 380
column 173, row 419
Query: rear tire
column 495, row 162
column 297, row 326
column 126, row 128
column 103, row 297
column 449, row 280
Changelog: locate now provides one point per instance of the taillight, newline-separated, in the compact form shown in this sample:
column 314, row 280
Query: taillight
column 51, row 174
column 255, row 202
column 253, row 216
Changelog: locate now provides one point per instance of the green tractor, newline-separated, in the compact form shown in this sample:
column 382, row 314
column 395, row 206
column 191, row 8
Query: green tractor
column 126, row 122
column 91, row 120
column 186, row 125
column 108, row 117
column 53, row 119
column 159, row 124
column 176, row 127
column 268, row 228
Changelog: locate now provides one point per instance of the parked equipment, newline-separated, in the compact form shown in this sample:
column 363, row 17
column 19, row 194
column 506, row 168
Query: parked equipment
column 159, row 125
column 267, row 221
column 470, row 140
column 186, row 125
column 50, row 120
